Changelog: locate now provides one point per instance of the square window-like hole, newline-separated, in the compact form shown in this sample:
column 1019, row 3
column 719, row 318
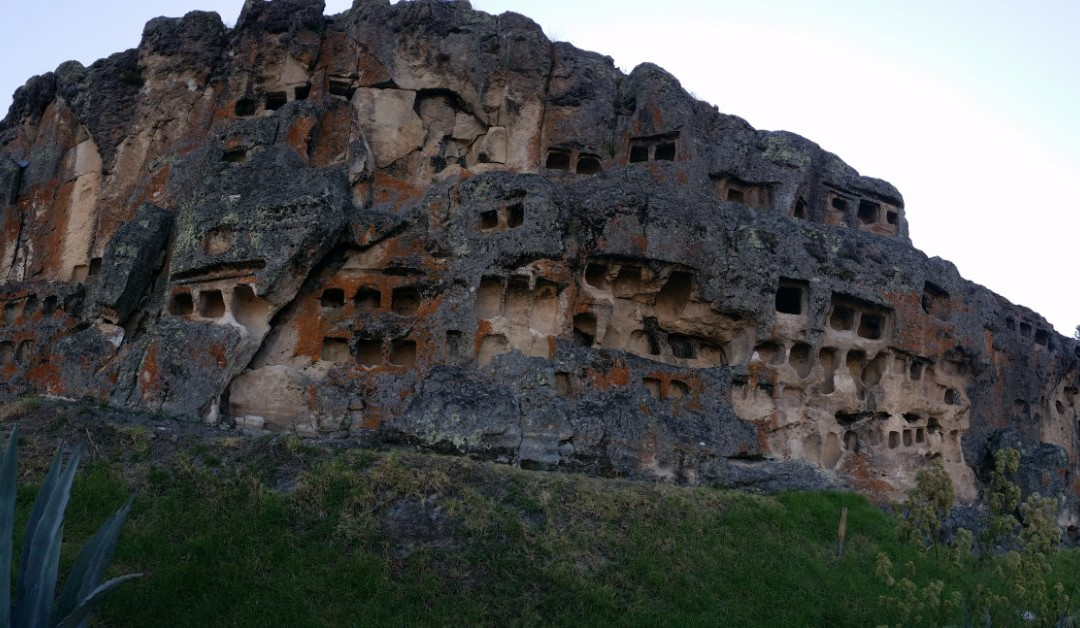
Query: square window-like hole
column 403, row 352
column 639, row 153
column 489, row 219
column 800, row 209
column 587, row 164
column 181, row 304
column 95, row 267
column 405, row 300
column 892, row 217
column 515, row 215
column 839, row 203
column 584, row 329
column 332, row 297
column 871, row 326
column 368, row 299
column 234, row 155
column 342, row 89
column 868, row 212
column 301, row 92
column 276, row 100
column 211, row 304
column 665, row 152
column 245, row 107
column 735, row 196
column 682, row 346
column 369, row 352
column 335, row 350
column 789, row 299
column 842, row 318
column 557, row 160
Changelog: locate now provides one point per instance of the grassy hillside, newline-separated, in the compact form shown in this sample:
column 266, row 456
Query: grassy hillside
column 273, row 531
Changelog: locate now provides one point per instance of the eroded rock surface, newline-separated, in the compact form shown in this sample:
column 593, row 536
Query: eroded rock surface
column 424, row 224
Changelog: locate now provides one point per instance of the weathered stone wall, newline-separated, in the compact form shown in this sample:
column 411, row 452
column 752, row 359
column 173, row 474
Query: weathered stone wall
column 424, row 224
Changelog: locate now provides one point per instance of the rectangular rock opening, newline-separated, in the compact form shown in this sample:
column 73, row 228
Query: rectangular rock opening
column 868, row 212
column 181, row 304
column 48, row 306
column 588, row 165
column 489, row 298
column 342, row 88
column 891, row 217
column 639, row 153
column 301, row 92
column 332, row 297
column 1025, row 330
column 871, row 326
column 234, row 155
column 682, row 346
column 894, row 439
column 935, row 301
column 1010, row 323
column 403, row 352
column 651, row 386
column 489, row 219
column 678, row 389
column 562, row 384
column 840, row 203
column 276, row 100
column 800, row 209
column 211, row 304
column 95, row 267
column 728, row 187
column 7, row 352
column 842, row 318
column 515, row 215
column 1042, row 337
column 249, row 310
column 455, row 342
column 791, row 296
column 665, row 152
column 405, row 300
column 335, row 350
column 584, row 329
column 26, row 350
column 596, row 275
column 368, row 299
column 245, row 107
column 218, row 240
column 557, row 160
column 369, row 352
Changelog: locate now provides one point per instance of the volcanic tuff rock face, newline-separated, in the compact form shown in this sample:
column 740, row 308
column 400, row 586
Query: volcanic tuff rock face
column 424, row 224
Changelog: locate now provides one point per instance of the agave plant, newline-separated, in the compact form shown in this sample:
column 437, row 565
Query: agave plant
column 35, row 602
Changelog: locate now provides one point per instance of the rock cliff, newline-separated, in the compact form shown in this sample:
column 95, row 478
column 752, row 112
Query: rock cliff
column 423, row 224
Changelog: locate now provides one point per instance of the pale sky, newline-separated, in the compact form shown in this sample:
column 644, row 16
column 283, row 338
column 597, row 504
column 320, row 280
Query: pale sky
column 969, row 107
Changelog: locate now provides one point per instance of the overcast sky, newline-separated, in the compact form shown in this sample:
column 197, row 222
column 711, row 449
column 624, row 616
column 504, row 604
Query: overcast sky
column 969, row 107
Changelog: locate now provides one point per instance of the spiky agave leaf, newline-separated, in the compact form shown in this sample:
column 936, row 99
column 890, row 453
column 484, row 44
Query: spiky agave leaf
column 81, row 615
column 34, row 604
column 9, row 480
column 89, row 567
column 35, row 514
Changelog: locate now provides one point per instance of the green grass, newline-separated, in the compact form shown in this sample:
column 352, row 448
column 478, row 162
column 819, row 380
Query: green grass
column 220, row 545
